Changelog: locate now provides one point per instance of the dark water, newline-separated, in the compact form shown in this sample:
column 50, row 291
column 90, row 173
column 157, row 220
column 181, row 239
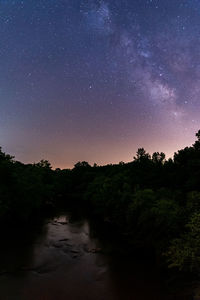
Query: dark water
column 64, row 260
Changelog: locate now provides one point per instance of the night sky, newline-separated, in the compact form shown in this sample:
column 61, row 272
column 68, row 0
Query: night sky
column 95, row 80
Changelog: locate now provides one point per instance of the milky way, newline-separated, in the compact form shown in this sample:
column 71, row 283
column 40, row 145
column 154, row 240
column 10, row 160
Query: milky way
column 95, row 80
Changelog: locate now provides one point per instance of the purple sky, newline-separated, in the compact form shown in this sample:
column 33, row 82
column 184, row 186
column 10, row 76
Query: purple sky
column 95, row 80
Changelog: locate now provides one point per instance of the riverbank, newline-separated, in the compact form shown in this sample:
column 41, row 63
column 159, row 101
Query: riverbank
column 66, row 258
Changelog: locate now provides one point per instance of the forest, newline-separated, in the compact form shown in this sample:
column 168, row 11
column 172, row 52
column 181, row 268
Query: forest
column 153, row 202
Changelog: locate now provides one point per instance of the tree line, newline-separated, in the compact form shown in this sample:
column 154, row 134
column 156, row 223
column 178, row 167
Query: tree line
column 153, row 201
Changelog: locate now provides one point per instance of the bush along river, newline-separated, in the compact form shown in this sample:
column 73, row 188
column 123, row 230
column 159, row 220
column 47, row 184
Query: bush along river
column 65, row 259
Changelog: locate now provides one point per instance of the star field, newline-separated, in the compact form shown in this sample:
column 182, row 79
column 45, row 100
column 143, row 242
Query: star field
column 95, row 80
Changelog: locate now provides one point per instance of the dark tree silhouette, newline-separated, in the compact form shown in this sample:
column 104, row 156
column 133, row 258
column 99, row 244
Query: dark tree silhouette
column 153, row 202
column 142, row 155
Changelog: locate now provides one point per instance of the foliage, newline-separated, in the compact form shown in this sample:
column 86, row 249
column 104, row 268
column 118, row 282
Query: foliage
column 152, row 201
column 184, row 252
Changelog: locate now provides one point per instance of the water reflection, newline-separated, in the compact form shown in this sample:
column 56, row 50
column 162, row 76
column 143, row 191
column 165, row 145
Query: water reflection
column 65, row 260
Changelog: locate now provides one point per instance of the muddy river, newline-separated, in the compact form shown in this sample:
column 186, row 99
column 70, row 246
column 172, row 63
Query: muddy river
column 64, row 259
